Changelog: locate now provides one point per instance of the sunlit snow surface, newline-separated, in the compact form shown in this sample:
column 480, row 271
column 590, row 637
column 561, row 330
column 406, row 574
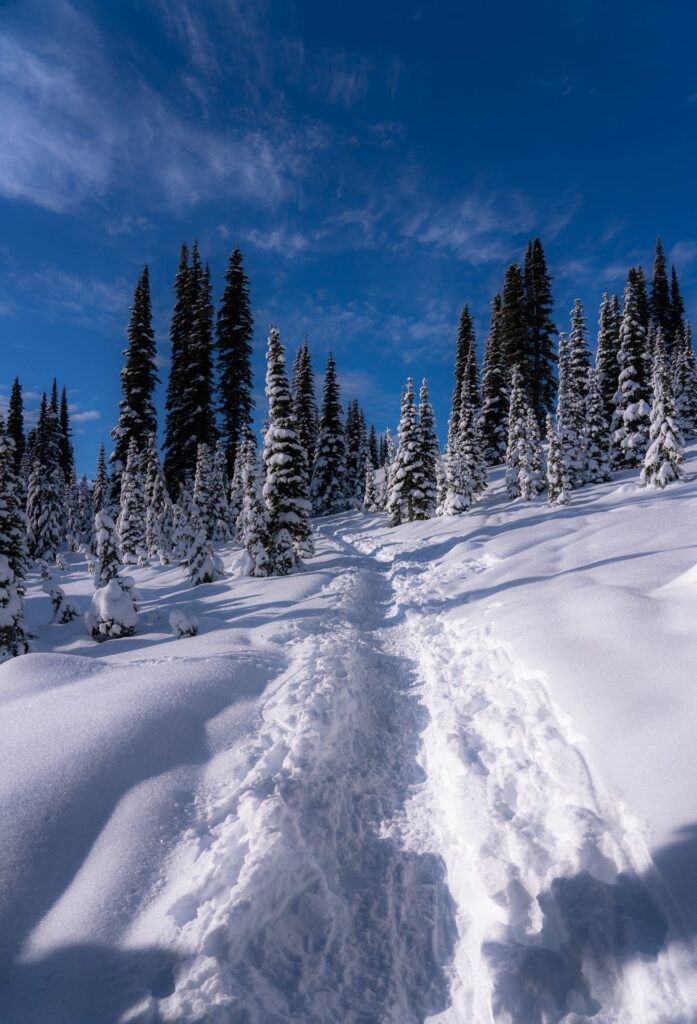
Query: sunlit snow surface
column 447, row 773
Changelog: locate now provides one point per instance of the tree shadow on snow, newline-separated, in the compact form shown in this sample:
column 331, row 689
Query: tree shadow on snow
column 86, row 984
column 591, row 931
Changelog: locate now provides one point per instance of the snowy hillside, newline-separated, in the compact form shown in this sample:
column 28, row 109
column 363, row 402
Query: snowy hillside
column 447, row 773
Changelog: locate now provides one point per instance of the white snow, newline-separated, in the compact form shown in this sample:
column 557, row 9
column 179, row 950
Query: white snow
column 446, row 773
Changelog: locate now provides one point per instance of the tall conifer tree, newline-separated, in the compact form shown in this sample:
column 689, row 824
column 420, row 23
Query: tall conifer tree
column 15, row 424
column 493, row 419
column 137, row 416
column 234, row 331
column 541, row 331
column 329, row 471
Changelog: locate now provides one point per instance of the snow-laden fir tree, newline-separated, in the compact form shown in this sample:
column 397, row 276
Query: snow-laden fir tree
column 45, row 488
column 406, row 496
column 329, row 471
column 579, row 353
column 371, row 496
column 252, row 521
column 203, row 564
column 137, row 416
column 596, row 434
column 558, row 483
column 131, row 521
column 570, row 416
column 234, row 352
column 236, row 492
column 532, row 469
column 112, row 613
column 14, row 638
column 183, row 532
column 426, row 498
column 186, row 287
column 72, row 514
column 65, row 444
column 304, row 405
column 631, row 417
column 204, row 495
column 107, row 550
column 663, row 462
column 285, row 485
column 85, row 512
column 100, row 491
column 493, row 418
column 441, row 485
column 606, row 365
column 387, row 467
column 159, row 519
column 517, row 442
column 356, row 440
column 220, row 508
column 463, row 460
column 684, row 382
column 13, row 521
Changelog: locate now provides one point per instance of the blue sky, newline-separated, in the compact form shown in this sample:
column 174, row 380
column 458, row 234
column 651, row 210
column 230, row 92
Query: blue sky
column 378, row 164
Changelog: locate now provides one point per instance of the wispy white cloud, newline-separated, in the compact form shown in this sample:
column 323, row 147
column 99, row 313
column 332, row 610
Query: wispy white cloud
column 683, row 253
column 85, row 415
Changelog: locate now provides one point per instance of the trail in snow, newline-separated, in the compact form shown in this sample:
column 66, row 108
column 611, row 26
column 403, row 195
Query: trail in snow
column 300, row 905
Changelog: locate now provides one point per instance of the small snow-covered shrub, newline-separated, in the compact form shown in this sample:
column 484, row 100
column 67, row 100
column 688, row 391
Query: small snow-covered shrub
column 183, row 624
column 64, row 608
column 112, row 612
column 61, row 562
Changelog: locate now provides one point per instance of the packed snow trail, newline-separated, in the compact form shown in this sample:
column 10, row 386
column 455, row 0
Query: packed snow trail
column 298, row 904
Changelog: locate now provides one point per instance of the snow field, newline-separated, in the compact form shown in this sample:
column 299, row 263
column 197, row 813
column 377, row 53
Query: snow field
column 354, row 796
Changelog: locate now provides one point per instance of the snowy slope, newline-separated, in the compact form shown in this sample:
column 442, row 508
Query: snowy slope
column 432, row 777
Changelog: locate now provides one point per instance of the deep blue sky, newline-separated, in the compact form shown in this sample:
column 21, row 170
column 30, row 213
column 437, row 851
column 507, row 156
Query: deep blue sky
column 378, row 164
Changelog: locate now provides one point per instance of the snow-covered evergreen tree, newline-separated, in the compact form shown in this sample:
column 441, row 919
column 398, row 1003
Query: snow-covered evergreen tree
column 517, row 418
column 597, row 434
column 406, row 477
column 329, row 471
column 13, row 521
column 203, row 497
column 387, row 466
column 495, row 392
column 631, row 418
column 606, row 365
column 570, row 416
column 684, row 382
column 45, row 489
column 371, row 496
column 252, row 521
column 465, row 366
column 159, row 519
column 112, row 613
column 663, row 462
column 558, row 483
column 107, row 550
column 14, row 638
column 285, row 485
column 100, row 491
column 305, row 410
column 131, row 521
column 426, row 499
column 579, row 353
column 203, row 564
column 540, row 330
column 220, row 509
column 532, row 469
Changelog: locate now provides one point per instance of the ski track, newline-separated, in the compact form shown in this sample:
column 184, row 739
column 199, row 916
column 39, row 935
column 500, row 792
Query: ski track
column 415, row 835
